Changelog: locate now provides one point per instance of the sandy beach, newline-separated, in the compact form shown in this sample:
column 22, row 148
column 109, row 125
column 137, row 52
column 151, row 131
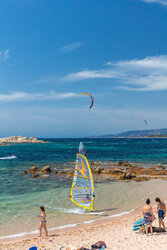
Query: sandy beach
column 116, row 232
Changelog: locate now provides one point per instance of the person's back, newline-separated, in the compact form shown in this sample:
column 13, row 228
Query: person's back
column 147, row 208
column 148, row 216
column 162, row 205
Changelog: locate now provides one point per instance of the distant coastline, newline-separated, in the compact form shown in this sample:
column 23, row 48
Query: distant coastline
column 152, row 133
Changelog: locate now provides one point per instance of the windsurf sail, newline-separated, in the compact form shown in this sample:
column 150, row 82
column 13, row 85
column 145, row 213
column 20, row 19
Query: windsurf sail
column 82, row 191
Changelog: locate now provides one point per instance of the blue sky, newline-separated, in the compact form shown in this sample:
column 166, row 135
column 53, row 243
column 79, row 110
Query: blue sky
column 52, row 50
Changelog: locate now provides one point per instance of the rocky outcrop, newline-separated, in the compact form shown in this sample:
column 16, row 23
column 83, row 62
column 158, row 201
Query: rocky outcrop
column 46, row 170
column 33, row 170
column 20, row 139
column 124, row 171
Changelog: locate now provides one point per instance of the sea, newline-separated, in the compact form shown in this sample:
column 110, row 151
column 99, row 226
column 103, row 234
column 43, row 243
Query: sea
column 21, row 196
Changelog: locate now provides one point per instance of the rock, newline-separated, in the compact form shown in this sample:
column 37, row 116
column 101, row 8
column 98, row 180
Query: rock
column 35, row 176
column 123, row 164
column 120, row 163
column 143, row 178
column 44, row 175
column 94, row 163
column 25, row 172
column 128, row 176
column 161, row 166
column 70, row 173
column 96, row 170
column 62, row 172
column 116, row 171
column 106, row 171
column 33, row 170
column 121, row 177
column 46, row 170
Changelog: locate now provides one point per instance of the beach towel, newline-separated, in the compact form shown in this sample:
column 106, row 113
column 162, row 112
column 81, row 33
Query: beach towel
column 33, row 248
column 157, row 230
column 138, row 225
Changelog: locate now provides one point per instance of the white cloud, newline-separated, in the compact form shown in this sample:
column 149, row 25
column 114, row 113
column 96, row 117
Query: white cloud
column 70, row 47
column 23, row 96
column 4, row 55
column 164, row 2
column 145, row 74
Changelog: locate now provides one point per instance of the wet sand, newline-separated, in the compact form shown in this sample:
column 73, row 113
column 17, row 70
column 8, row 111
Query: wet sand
column 116, row 232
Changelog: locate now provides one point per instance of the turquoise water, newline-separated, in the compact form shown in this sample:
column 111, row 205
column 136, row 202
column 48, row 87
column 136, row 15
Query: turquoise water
column 21, row 196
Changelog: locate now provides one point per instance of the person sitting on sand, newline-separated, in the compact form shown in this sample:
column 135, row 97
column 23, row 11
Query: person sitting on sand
column 161, row 209
column 42, row 222
column 148, row 216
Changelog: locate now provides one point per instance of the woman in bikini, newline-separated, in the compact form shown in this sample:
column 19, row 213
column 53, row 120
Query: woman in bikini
column 42, row 222
column 148, row 216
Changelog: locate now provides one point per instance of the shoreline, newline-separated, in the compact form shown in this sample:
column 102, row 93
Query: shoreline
column 116, row 232
column 63, row 228
column 71, row 227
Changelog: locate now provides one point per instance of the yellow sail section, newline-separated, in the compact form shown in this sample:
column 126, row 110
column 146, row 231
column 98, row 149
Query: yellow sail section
column 82, row 191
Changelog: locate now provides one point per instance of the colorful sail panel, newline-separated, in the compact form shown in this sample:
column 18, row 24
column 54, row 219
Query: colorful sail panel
column 82, row 191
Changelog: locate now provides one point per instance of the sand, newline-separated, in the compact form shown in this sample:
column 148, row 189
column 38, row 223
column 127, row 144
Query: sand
column 117, row 234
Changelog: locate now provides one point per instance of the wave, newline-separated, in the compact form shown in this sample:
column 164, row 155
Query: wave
column 8, row 157
column 64, row 226
column 65, row 210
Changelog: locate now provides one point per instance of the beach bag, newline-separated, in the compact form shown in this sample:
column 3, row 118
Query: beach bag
column 99, row 245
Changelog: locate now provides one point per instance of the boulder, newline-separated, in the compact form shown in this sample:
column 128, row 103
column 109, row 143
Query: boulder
column 70, row 173
column 123, row 164
column 33, row 170
column 46, row 170
column 116, row 171
column 96, row 170
column 61, row 172
column 128, row 176
column 107, row 171
column 35, row 176
column 143, row 178
column 94, row 163
column 161, row 166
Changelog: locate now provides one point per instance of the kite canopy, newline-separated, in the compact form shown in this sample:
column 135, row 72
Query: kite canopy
column 91, row 99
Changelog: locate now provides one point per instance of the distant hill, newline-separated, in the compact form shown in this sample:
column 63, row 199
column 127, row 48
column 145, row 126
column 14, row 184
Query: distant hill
column 137, row 134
